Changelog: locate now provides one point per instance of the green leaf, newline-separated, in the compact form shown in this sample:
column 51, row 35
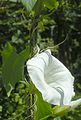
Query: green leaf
column 13, row 65
column 29, row 4
column 80, row 4
column 41, row 4
column 38, row 7
column 13, row 0
column 0, row 108
column 43, row 108
column 51, row 4
column 57, row 118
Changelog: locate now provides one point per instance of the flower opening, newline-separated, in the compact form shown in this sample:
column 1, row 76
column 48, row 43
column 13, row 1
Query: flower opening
column 51, row 78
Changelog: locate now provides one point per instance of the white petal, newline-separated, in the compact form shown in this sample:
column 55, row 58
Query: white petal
column 75, row 103
column 49, row 51
column 37, row 78
column 49, row 94
column 51, row 78
column 58, row 76
column 52, row 96
column 40, row 61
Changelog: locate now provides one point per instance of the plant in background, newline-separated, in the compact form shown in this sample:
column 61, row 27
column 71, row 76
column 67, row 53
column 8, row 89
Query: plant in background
column 17, row 101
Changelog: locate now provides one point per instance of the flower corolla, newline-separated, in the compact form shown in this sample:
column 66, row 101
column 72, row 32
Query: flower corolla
column 51, row 78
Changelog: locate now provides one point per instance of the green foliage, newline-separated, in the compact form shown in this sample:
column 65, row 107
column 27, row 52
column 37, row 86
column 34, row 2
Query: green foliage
column 48, row 24
column 36, row 6
column 41, row 113
column 16, row 106
column 58, row 118
column 13, row 65
column 29, row 4
column 60, row 110
column 44, row 110
column 51, row 4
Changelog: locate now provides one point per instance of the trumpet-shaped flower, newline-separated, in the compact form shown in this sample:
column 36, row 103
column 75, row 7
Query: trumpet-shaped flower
column 51, row 78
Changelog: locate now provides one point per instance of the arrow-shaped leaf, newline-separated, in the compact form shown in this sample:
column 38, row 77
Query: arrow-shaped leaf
column 13, row 65
column 29, row 4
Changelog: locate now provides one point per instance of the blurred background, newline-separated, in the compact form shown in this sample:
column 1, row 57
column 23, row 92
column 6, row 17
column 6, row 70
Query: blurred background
column 59, row 29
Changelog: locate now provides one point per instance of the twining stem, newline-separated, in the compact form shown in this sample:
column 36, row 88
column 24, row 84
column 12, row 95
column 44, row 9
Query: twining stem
column 33, row 41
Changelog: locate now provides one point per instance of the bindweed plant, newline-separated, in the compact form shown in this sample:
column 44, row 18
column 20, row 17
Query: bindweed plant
column 20, row 98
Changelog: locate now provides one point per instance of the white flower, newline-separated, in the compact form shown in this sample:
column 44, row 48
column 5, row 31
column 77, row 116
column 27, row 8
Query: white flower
column 51, row 78
column 75, row 103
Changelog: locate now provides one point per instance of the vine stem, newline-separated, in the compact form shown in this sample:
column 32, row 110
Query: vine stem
column 58, row 43
column 44, row 118
column 33, row 38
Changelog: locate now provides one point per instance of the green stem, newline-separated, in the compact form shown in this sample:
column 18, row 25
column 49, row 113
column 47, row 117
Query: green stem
column 33, row 40
column 44, row 118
